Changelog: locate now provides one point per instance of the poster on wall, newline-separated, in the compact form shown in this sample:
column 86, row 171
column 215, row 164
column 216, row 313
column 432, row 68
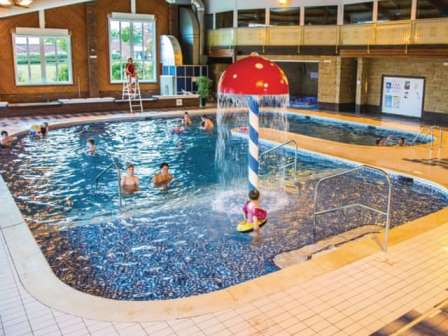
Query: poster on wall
column 403, row 96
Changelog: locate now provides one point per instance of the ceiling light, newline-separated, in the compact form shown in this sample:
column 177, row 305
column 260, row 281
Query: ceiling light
column 23, row 3
column 5, row 2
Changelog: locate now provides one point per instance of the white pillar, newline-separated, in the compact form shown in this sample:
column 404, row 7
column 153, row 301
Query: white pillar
column 235, row 18
column 340, row 20
column 42, row 18
column 133, row 6
column 414, row 10
column 267, row 20
column 302, row 15
column 375, row 11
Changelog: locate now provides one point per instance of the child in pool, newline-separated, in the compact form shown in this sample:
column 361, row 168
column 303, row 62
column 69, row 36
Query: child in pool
column 6, row 140
column 91, row 146
column 207, row 123
column 252, row 211
column 44, row 130
column 178, row 129
column 187, row 119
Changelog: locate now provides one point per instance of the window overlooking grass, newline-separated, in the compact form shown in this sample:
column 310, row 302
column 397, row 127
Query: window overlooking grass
column 42, row 60
column 132, row 36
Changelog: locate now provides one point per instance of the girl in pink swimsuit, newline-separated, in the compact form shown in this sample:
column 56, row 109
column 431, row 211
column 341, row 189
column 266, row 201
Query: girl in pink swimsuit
column 252, row 212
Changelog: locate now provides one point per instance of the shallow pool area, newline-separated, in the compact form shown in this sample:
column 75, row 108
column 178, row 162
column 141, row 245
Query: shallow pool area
column 182, row 241
column 347, row 132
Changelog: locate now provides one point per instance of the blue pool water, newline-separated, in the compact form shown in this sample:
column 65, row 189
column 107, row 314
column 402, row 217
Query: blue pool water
column 182, row 241
column 346, row 132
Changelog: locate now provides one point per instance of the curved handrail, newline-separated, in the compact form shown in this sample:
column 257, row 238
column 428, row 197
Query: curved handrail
column 281, row 146
column 389, row 196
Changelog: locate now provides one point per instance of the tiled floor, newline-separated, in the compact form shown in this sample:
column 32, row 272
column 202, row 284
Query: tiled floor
column 357, row 299
column 354, row 300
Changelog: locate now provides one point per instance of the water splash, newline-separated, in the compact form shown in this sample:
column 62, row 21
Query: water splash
column 233, row 114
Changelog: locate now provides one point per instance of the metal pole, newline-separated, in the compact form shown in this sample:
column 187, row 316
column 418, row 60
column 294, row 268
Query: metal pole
column 389, row 199
column 254, row 147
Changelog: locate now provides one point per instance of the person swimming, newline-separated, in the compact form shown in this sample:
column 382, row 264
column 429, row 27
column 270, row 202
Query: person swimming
column 164, row 177
column 384, row 141
column 6, row 140
column 44, row 130
column 207, row 123
column 130, row 182
column 178, row 129
column 91, row 146
column 187, row 119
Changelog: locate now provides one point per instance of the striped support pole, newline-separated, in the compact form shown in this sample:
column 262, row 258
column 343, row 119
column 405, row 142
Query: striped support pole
column 254, row 129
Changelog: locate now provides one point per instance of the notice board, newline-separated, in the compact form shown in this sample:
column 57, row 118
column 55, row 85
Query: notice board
column 403, row 95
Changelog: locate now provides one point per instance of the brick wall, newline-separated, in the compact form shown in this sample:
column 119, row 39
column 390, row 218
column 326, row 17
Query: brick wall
column 73, row 18
column 436, row 74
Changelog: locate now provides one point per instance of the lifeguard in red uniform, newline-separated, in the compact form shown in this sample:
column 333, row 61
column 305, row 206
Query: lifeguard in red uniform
column 131, row 74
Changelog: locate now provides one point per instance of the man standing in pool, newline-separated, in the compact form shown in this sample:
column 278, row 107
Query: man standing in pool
column 164, row 177
column 130, row 182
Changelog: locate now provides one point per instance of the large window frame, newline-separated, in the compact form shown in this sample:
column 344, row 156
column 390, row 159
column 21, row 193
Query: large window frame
column 133, row 19
column 43, row 35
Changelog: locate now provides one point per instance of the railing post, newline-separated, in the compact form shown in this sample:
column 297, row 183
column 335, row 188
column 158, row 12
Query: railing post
column 389, row 201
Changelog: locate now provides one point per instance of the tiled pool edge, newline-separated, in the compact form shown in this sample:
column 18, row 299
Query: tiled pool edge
column 38, row 279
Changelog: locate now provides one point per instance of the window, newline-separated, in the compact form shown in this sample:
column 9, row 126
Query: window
column 392, row 10
column 289, row 16
column 358, row 13
column 432, row 9
column 322, row 15
column 251, row 17
column 42, row 59
column 224, row 20
column 132, row 35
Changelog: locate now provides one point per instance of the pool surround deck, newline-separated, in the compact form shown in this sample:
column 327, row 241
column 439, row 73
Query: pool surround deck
column 37, row 277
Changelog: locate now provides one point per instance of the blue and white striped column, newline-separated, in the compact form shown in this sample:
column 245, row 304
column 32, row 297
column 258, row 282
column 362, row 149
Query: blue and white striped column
column 254, row 149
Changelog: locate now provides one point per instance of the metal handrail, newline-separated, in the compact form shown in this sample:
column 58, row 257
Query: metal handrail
column 432, row 130
column 118, row 171
column 281, row 146
column 386, row 213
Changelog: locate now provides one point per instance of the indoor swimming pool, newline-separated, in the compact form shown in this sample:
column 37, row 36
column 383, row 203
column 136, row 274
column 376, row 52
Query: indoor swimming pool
column 181, row 241
column 348, row 132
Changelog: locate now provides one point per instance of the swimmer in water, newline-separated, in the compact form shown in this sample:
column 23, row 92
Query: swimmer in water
column 207, row 123
column 130, row 182
column 6, row 140
column 187, row 119
column 44, row 130
column 91, row 146
column 178, row 129
column 164, row 177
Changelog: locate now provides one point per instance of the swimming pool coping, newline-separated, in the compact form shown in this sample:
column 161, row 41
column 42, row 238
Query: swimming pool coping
column 37, row 277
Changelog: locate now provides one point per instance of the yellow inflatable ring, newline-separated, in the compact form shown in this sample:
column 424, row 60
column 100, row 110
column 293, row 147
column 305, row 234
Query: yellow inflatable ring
column 245, row 227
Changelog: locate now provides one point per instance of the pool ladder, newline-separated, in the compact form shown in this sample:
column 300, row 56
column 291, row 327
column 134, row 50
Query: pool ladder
column 115, row 164
column 385, row 212
column 279, row 147
column 432, row 131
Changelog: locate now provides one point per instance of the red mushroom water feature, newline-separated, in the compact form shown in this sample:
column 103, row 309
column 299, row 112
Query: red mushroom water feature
column 247, row 83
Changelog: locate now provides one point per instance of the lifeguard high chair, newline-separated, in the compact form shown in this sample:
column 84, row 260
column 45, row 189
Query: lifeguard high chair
column 131, row 92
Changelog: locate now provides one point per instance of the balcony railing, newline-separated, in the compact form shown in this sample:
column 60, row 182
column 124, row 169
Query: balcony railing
column 428, row 31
